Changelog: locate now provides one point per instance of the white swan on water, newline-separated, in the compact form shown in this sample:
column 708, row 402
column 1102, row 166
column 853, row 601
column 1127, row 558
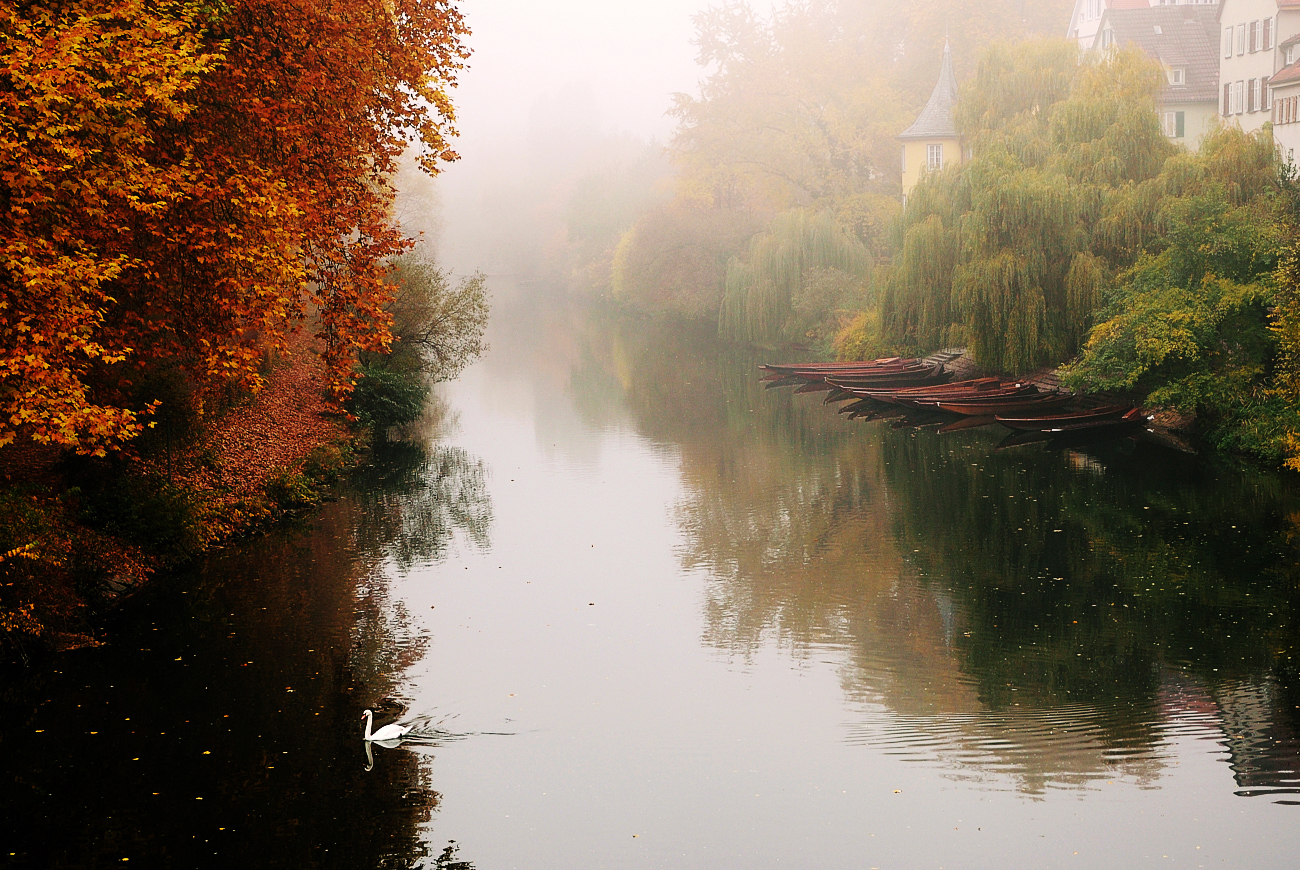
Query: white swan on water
column 391, row 731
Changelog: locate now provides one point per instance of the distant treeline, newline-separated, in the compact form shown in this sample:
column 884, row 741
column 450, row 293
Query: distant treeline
column 1075, row 234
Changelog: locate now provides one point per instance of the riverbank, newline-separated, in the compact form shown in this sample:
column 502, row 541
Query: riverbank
column 76, row 535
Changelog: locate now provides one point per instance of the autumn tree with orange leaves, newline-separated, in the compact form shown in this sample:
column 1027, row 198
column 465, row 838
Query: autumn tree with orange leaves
column 183, row 184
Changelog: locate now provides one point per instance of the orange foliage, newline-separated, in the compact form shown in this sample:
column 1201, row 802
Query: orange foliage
column 181, row 184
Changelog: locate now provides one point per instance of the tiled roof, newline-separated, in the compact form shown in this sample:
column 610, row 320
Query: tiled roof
column 1177, row 36
column 935, row 120
column 1287, row 75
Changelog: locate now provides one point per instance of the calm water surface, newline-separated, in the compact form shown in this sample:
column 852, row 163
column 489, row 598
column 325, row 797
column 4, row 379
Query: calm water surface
column 670, row 619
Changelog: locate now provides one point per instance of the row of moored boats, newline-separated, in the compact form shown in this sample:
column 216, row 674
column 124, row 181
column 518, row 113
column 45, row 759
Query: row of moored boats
column 923, row 392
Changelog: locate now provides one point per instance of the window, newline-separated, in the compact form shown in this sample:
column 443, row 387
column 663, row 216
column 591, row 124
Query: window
column 1238, row 97
column 1094, row 9
column 1268, row 97
column 1252, row 37
column 904, row 160
column 1177, row 76
column 1227, row 42
column 1241, row 39
column 934, row 156
column 1107, row 38
column 1256, row 96
column 1173, row 122
column 1227, row 100
column 1268, row 34
column 1290, row 55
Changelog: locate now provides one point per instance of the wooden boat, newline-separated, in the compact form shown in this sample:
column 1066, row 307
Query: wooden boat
column 1050, row 422
column 1003, row 394
column 1130, row 422
column 1011, row 406
column 913, row 396
column 869, row 375
column 974, row 384
column 925, row 376
column 812, row 382
column 776, row 370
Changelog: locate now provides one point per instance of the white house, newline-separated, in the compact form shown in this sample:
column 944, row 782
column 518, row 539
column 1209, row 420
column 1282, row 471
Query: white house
column 1183, row 39
column 1284, row 88
column 1251, row 32
column 1085, row 22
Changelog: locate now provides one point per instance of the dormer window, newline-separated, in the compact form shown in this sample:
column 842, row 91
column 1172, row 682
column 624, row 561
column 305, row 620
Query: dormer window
column 1107, row 38
column 1177, row 76
column 1290, row 55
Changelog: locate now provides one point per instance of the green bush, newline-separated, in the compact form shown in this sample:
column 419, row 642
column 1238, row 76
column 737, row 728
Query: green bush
column 384, row 398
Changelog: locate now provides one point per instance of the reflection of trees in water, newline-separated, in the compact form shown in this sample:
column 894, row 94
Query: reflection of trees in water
column 1082, row 586
column 415, row 498
column 226, row 725
column 1025, row 609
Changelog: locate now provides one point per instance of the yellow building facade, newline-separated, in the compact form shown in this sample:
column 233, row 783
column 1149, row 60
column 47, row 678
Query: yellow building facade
column 932, row 143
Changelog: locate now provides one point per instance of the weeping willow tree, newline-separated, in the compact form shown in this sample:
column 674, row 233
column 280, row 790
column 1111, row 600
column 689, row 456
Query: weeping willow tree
column 805, row 264
column 1201, row 323
column 999, row 253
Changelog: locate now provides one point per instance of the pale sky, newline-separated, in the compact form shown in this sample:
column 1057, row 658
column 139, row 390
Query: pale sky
column 632, row 54
column 545, row 77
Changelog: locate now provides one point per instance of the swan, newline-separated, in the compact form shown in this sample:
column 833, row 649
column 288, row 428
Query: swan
column 391, row 731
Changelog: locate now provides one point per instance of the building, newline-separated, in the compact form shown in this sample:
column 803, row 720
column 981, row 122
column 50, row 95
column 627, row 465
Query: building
column 1250, row 31
column 1085, row 22
column 932, row 142
column 1183, row 40
column 1284, row 94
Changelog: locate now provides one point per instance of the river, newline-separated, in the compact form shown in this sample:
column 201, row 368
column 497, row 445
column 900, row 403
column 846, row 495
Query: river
column 663, row 617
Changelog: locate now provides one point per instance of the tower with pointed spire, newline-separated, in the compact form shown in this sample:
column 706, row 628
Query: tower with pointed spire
column 932, row 142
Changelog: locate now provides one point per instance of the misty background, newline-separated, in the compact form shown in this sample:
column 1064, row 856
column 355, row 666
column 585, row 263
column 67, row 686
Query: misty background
column 566, row 136
column 553, row 93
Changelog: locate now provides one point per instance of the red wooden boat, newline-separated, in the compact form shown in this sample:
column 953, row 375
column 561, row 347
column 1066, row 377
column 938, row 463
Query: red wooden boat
column 782, row 369
column 913, row 396
column 908, row 377
column 1012, row 406
column 1011, row 392
column 814, row 381
column 1132, row 421
column 1051, row 422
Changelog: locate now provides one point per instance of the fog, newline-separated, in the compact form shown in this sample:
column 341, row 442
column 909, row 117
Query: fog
column 552, row 88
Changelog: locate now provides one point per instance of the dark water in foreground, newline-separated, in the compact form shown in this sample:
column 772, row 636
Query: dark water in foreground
column 678, row 621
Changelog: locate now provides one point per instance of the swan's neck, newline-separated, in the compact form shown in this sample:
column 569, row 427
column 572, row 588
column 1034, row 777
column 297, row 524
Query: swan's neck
column 369, row 718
